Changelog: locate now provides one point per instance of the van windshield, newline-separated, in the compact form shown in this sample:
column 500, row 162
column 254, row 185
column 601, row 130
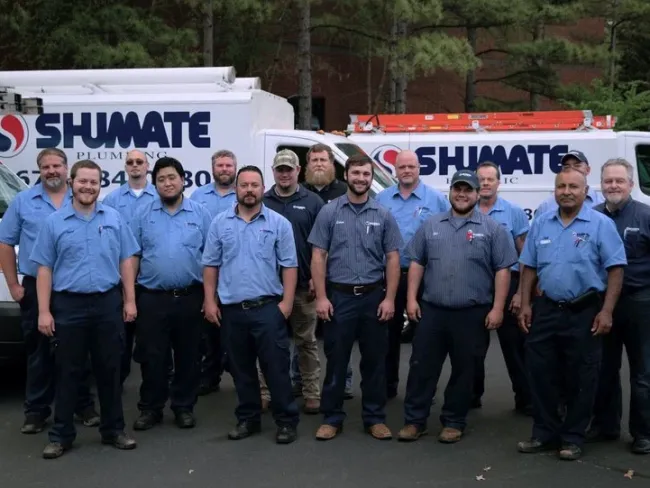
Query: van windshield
column 10, row 186
column 382, row 176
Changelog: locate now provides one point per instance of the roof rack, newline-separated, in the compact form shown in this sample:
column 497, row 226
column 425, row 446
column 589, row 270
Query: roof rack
column 481, row 122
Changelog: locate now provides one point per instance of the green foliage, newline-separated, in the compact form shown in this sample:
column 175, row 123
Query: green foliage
column 629, row 102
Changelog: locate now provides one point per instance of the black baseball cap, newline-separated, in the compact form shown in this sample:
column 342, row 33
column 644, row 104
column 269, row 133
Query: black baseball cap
column 466, row 176
column 573, row 153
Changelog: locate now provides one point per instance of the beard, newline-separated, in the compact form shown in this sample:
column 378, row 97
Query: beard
column 319, row 178
column 173, row 200
column 359, row 192
column 615, row 199
column 224, row 179
column 464, row 209
column 247, row 201
column 53, row 183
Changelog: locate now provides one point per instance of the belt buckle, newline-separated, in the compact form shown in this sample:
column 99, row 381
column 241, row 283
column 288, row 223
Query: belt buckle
column 562, row 304
column 176, row 293
column 357, row 293
column 246, row 305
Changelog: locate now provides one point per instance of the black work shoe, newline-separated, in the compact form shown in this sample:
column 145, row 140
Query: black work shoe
column 570, row 452
column 121, row 441
column 533, row 446
column 641, row 446
column 595, row 434
column 34, row 423
column 286, row 434
column 207, row 388
column 55, row 450
column 185, row 420
column 243, row 430
column 146, row 421
column 89, row 417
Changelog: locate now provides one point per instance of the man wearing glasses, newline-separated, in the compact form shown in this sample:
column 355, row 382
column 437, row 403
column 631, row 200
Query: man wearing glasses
column 135, row 193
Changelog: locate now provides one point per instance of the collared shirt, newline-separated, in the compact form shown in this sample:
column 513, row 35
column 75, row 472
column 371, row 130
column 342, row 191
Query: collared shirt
column 632, row 222
column 171, row 244
column 23, row 220
column 84, row 252
column 125, row 201
column 461, row 257
column 301, row 210
column 512, row 218
column 593, row 198
column 329, row 192
column 410, row 213
column 215, row 202
column 572, row 259
column 356, row 241
column 249, row 255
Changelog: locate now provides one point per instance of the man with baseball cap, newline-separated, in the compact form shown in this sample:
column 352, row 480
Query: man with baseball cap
column 300, row 207
column 573, row 159
column 464, row 257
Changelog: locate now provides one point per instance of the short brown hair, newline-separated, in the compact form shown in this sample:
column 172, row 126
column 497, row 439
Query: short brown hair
column 84, row 163
column 51, row 151
column 316, row 148
column 359, row 160
column 224, row 153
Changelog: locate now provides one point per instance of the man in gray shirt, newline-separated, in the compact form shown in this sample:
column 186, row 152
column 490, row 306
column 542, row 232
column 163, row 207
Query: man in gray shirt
column 464, row 257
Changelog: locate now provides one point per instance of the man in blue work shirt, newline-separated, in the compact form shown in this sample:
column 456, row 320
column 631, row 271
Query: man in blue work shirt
column 514, row 221
column 575, row 254
column 171, row 232
column 127, row 199
column 19, row 227
column 217, row 196
column 630, row 326
column 300, row 207
column 251, row 253
column 84, row 251
column 355, row 269
column 464, row 257
column 411, row 202
column 577, row 160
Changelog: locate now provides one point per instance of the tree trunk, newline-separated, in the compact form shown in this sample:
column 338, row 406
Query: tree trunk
column 392, row 69
column 538, row 35
column 613, row 24
column 369, row 82
column 401, row 80
column 208, row 34
column 470, row 78
column 304, row 66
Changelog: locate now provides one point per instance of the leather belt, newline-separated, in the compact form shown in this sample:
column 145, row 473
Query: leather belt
column 356, row 290
column 254, row 303
column 589, row 299
column 175, row 292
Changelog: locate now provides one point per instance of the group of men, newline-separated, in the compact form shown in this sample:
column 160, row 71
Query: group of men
column 212, row 282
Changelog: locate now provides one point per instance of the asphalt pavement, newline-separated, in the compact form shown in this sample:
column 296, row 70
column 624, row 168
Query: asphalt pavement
column 168, row 457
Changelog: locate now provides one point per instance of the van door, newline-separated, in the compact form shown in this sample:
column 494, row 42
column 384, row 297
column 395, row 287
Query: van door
column 637, row 152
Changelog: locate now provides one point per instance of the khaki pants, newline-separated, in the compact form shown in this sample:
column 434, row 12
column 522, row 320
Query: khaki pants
column 303, row 324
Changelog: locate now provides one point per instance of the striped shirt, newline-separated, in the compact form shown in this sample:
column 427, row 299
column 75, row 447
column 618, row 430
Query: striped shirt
column 356, row 241
column 461, row 258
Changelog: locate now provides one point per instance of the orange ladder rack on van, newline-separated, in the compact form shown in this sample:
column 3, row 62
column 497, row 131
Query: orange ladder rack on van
column 479, row 122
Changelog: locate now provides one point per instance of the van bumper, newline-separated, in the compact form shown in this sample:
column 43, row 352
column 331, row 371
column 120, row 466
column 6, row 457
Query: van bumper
column 11, row 331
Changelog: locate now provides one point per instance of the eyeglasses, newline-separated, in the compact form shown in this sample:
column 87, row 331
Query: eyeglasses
column 137, row 162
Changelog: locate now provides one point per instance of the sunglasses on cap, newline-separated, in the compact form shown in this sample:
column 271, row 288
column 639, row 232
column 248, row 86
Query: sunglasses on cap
column 131, row 162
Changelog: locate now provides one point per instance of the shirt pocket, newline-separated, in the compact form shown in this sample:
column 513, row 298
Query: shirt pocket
column 583, row 252
column 544, row 253
column 192, row 235
column 634, row 243
column 339, row 239
column 266, row 244
column 109, row 235
column 372, row 239
column 435, row 247
column 479, row 250
column 72, row 243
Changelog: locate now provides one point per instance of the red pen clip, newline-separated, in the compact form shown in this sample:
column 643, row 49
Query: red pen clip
column 470, row 236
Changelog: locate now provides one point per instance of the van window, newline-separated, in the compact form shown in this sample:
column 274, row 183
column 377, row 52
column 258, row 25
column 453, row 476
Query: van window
column 10, row 186
column 643, row 165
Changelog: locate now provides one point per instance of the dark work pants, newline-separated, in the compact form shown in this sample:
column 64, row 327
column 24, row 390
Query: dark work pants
column 439, row 333
column 253, row 334
column 562, row 352
column 631, row 329
column 213, row 357
column 127, row 351
column 512, row 341
column 87, row 324
column 355, row 318
column 167, row 320
column 40, row 385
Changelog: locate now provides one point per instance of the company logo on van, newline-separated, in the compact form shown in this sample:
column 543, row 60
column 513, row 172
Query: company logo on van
column 13, row 135
column 386, row 156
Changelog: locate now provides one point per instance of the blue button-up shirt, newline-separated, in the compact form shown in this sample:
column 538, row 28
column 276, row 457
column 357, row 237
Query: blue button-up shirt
column 249, row 255
column 356, row 241
column 570, row 260
column 411, row 212
column 214, row 201
column 593, row 198
column 23, row 220
column 512, row 218
column 84, row 252
column 171, row 244
column 125, row 201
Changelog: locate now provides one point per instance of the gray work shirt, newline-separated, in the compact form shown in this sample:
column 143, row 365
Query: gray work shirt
column 461, row 258
column 356, row 241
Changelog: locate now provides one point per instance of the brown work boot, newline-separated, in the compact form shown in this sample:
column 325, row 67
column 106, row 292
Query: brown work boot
column 311, row 406
column 449, row 435
column 411, row 432
column 380, row 432
column 326, row 432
